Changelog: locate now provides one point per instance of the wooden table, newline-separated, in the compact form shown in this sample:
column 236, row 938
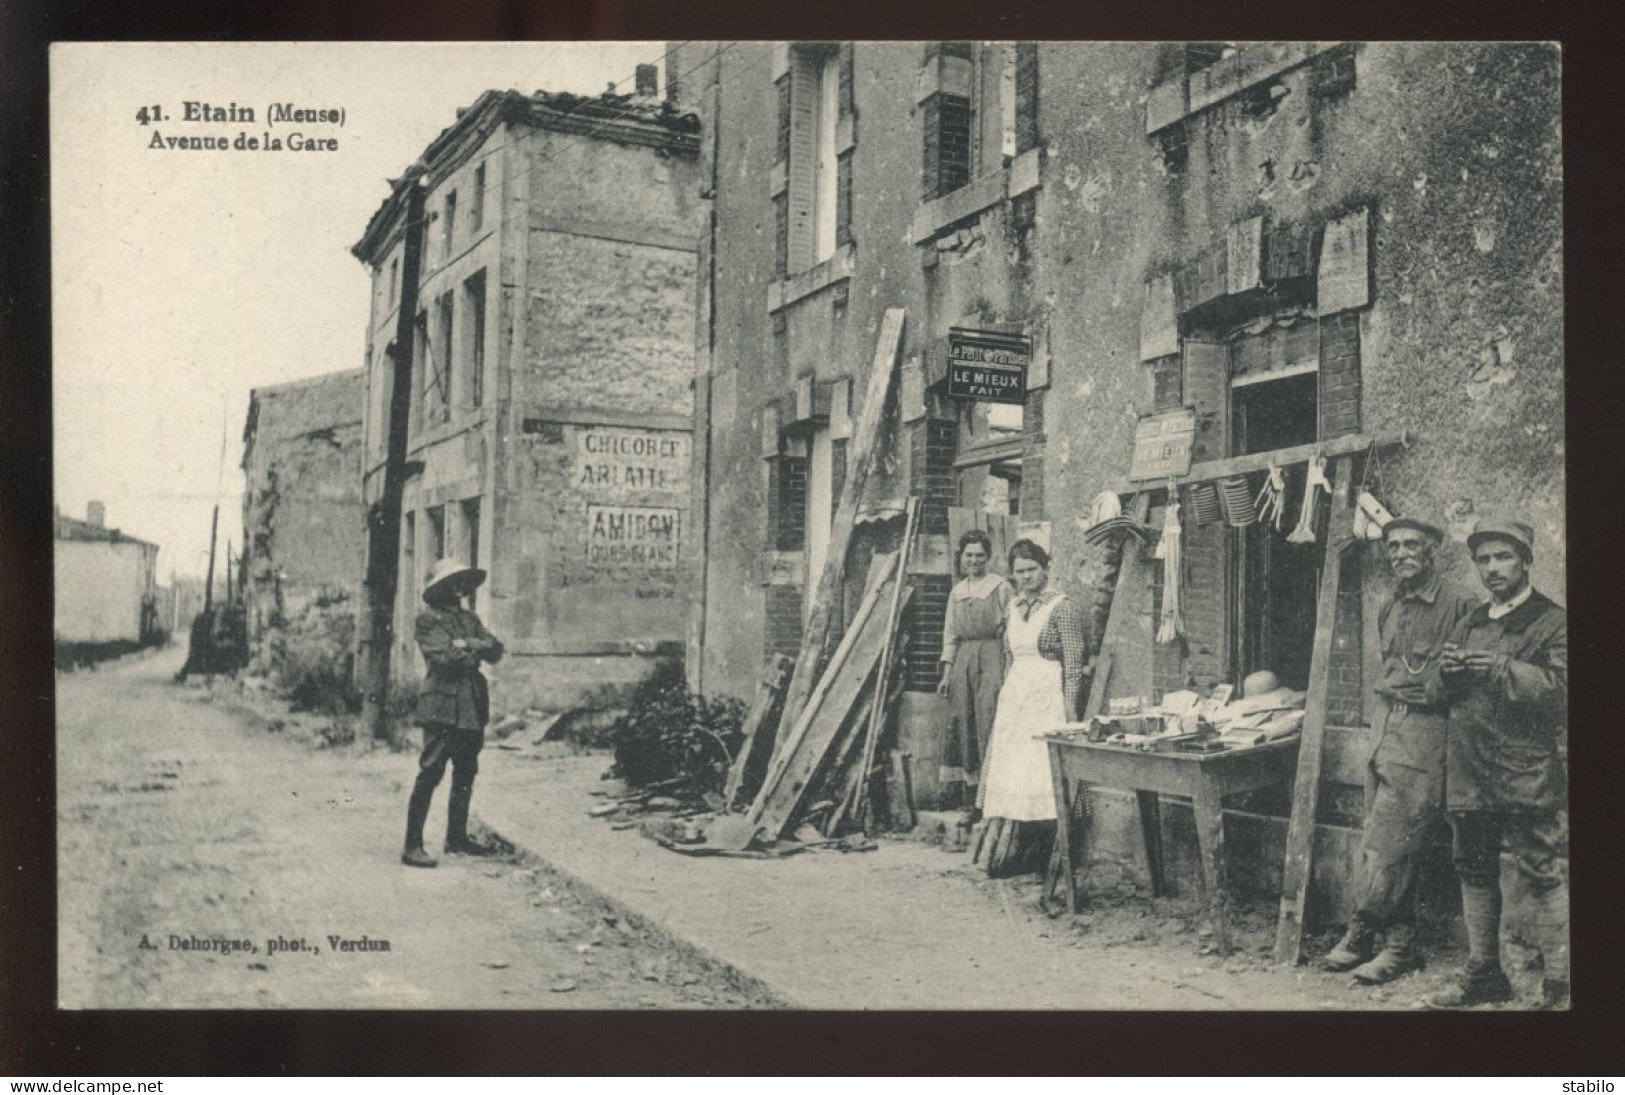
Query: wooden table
column 1205, row 778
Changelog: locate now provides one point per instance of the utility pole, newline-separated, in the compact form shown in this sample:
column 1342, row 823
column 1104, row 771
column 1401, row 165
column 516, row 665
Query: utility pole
column 384, row 516
column 208, row 584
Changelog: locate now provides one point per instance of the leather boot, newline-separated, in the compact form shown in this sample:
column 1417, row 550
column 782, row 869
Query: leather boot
column 1479, row 984
column 457, row 838
column 1397, row 957
column 417, row 857
column 1353, row 949
column 417, row 812
column 1552, row 933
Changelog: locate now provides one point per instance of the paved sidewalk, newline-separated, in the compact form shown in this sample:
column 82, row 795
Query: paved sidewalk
column 910, row 925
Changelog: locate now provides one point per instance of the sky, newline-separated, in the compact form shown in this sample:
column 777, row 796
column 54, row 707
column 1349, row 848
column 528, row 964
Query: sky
column 183, row 279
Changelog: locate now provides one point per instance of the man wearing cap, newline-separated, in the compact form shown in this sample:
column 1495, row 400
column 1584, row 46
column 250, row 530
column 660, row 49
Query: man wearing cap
column 1506, row 671
column 453, row 706
column 1406, row 773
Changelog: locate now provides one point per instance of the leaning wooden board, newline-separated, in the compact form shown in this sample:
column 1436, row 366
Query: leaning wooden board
column 1300, row 834
column 769, row 689
column 791, row 731
column 779, row 804
column 860, row 461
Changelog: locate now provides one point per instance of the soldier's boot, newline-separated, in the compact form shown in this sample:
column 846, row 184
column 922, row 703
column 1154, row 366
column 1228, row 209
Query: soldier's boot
column 1483, row 981
column 1552, row 930
column 1353, row 949
column 1478, row 984
column 1397, row 957
column 417, row 812
column 458, row 842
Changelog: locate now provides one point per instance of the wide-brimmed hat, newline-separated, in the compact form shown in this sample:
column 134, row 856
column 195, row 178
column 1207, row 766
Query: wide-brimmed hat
column 449, row 572
column 1503, row 528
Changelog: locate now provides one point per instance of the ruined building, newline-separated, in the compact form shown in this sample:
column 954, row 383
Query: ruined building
column 303, row 524
column 551, row 380
column 1267, row 250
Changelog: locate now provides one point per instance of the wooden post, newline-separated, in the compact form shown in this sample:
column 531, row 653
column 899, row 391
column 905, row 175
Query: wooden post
column 208, row 583
column 384, row 516
column 1300, row 836
column 860, row 460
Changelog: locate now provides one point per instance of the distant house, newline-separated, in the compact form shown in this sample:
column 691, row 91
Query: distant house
column 106, row 583
column 303, row 523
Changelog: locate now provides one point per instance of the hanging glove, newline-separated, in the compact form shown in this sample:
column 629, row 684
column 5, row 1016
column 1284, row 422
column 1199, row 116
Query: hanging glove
column 1173, row 621
column 1370, row 517
column 1312, row 484
column 1271, row 499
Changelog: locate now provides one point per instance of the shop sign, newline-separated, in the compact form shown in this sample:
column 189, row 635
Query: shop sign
column 618, row 461
column 988, row 366
column 1162, row 445
column 633, row 536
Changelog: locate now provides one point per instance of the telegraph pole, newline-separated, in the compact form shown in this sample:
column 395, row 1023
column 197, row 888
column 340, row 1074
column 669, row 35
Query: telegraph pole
column 384, row 516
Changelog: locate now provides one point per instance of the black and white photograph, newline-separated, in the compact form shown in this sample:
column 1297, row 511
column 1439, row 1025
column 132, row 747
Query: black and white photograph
column 723, row 525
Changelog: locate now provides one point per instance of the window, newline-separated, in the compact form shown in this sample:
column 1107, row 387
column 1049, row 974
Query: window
column 425, row 374
column 1025, row 108
column 448, row 225
column 476, row 201
column 445, row 355
column 436, row 517
column 474, row 288
column 813, row 208
column 394, row 278
column 471, row 532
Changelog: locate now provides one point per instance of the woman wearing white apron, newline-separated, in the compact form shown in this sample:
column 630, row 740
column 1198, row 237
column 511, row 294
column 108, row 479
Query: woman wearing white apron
column 1046, row 648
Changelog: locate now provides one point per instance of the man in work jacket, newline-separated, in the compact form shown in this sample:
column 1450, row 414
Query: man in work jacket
column 453, row 706
column 1405, row 776
column 1506, row 670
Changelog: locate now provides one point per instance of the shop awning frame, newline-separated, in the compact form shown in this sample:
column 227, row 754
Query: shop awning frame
column 1208, row 470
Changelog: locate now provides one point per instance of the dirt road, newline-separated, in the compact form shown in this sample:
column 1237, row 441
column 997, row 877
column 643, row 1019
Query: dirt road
column 204, row 863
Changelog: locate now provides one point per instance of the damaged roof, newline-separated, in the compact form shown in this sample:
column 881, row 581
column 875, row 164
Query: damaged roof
column 626, row 119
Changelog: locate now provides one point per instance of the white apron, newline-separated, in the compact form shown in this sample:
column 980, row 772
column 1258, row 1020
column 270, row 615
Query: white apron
column 1016, row 781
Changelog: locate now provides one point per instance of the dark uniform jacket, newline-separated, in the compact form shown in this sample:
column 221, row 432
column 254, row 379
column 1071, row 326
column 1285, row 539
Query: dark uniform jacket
column 454, row 693
column 1507, row 729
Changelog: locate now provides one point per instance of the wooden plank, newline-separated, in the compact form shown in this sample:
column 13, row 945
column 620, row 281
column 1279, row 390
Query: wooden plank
column 1351, row 445
column 1128, row 576
column 877, row 715
column 900, row 792
column 881, row 569
column 1306, row 788
column 1001, row 529
column 769, row 688
column 860, row 461
column 778, row 807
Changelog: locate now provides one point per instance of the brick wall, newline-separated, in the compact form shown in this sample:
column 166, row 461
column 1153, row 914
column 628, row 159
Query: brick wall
column 1202, row 597
column 1032, row 458
column 787, row 502
column 1167, row 384
column 946, row 120
column 933, row 443
column 1339, row 375
column 1345, row 697
column 1167, row 659
column 1026, row 96
column 782, row 635
column 922, row 626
